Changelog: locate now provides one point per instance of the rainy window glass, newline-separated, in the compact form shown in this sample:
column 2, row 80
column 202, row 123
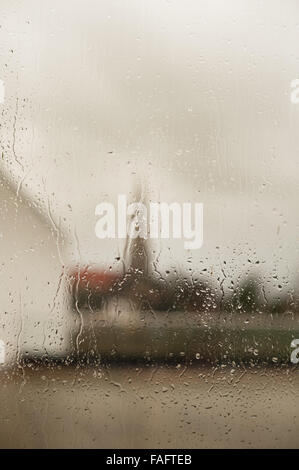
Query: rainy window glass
column 149, row 254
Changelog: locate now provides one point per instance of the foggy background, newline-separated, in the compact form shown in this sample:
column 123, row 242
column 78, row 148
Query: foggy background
column 172, row 101
column 191, row 98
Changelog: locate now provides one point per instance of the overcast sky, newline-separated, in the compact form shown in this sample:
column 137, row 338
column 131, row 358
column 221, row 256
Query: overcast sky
column 190, row 98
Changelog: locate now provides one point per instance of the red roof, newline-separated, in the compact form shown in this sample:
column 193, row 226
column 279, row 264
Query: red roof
column 95, row 279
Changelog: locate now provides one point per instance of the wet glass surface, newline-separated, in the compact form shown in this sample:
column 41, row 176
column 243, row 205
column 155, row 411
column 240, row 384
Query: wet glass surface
column 149, row 178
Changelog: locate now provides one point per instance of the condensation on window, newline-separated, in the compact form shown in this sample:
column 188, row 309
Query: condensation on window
column 148, row 224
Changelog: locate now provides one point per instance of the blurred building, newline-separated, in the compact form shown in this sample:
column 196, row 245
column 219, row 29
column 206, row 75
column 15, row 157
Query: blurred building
column 33, row 315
